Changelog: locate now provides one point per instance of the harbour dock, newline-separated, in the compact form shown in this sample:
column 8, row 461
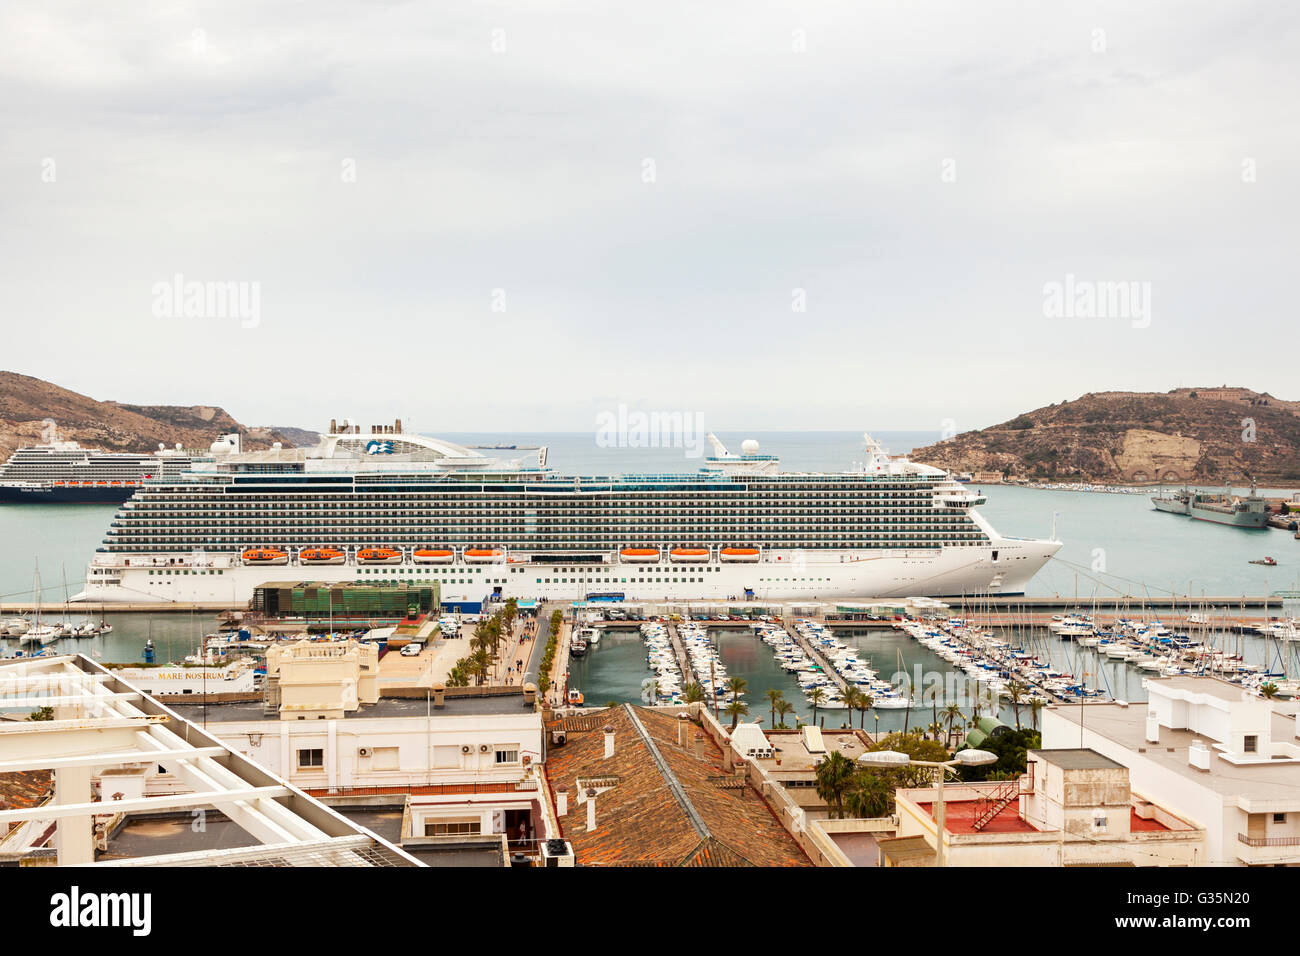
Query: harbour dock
column 683, row 662
column 817, row 655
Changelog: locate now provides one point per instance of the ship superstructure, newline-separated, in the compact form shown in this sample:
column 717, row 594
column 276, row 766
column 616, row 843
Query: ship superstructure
column 379, row 505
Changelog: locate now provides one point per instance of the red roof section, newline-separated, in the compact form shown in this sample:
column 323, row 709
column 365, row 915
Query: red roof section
column 959, row 817
column 1137, row 824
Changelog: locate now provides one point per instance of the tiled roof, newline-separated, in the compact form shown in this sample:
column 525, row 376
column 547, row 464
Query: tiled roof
column 23, row 789
column 684, row 811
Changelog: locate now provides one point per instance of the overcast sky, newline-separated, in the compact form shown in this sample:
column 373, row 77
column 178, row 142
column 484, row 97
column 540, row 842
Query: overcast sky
column 511, row 216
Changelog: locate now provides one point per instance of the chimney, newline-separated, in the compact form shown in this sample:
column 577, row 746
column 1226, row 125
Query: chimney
column 609, row 741
column 561, row 801
column 1153, row 727
column 683, row 719
column 699, row 745
column 440, row 695
column 591, row 809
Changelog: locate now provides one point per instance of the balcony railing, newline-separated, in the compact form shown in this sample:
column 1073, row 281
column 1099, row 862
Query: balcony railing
column 1268, row 841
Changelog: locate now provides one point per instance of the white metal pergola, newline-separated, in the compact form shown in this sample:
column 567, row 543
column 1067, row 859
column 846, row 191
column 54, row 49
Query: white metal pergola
column 101, row 723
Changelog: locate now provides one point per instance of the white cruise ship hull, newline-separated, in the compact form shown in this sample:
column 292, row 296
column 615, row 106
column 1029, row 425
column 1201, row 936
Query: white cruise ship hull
column 779, row 576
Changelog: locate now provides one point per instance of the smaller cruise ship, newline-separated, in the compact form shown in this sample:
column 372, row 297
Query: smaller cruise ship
column 64, row 472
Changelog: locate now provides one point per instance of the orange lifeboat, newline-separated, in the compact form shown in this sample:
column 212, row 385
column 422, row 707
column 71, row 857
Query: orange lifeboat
column 639, row 555
column 433, row 555
column 689, row 555
column 321, row 556
column 483, row 555
column 379, row 556
column 265, row 556
column 739, row 554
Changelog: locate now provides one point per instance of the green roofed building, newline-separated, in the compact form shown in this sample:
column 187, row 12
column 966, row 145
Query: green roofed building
column 985, row 728
column 343, row 600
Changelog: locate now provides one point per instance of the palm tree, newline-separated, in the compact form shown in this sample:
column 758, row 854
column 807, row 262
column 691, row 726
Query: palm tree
column 952, row 714
column 783, row 707
column 1035, row 707
column 865, row 703
column 480, row 661
column 815, row 697
column 736, row 686
column 692, row 693
column 1268, row 691
column 834, row 774
column 737, row 708
column 851, row 697
column 774, row 697
column 869, row 795
column 1016, row 691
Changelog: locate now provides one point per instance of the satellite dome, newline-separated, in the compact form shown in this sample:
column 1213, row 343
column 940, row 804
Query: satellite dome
column 749, row 447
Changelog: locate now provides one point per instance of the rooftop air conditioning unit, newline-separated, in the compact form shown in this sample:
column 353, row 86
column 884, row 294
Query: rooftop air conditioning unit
column 363, row 751
column 557, row 853
column 483, row 748
column 466, row 749
column 1198, row 755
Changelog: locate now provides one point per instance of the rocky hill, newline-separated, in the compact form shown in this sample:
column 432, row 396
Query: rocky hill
column 1208, row 435
column 26, row 404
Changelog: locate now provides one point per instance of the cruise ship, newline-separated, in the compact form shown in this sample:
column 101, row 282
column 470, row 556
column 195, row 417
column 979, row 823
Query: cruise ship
column 380, row 505
column 63, row 471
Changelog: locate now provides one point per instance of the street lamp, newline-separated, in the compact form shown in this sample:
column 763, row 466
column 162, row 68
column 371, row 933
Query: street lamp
column 963, row 758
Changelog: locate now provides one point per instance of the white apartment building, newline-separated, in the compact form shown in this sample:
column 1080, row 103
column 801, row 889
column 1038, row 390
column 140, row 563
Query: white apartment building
column 1212, row 753
column 391, row 744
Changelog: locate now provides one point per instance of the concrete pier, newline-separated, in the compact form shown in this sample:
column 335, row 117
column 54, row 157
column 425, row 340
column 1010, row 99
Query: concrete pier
column 817, row 655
